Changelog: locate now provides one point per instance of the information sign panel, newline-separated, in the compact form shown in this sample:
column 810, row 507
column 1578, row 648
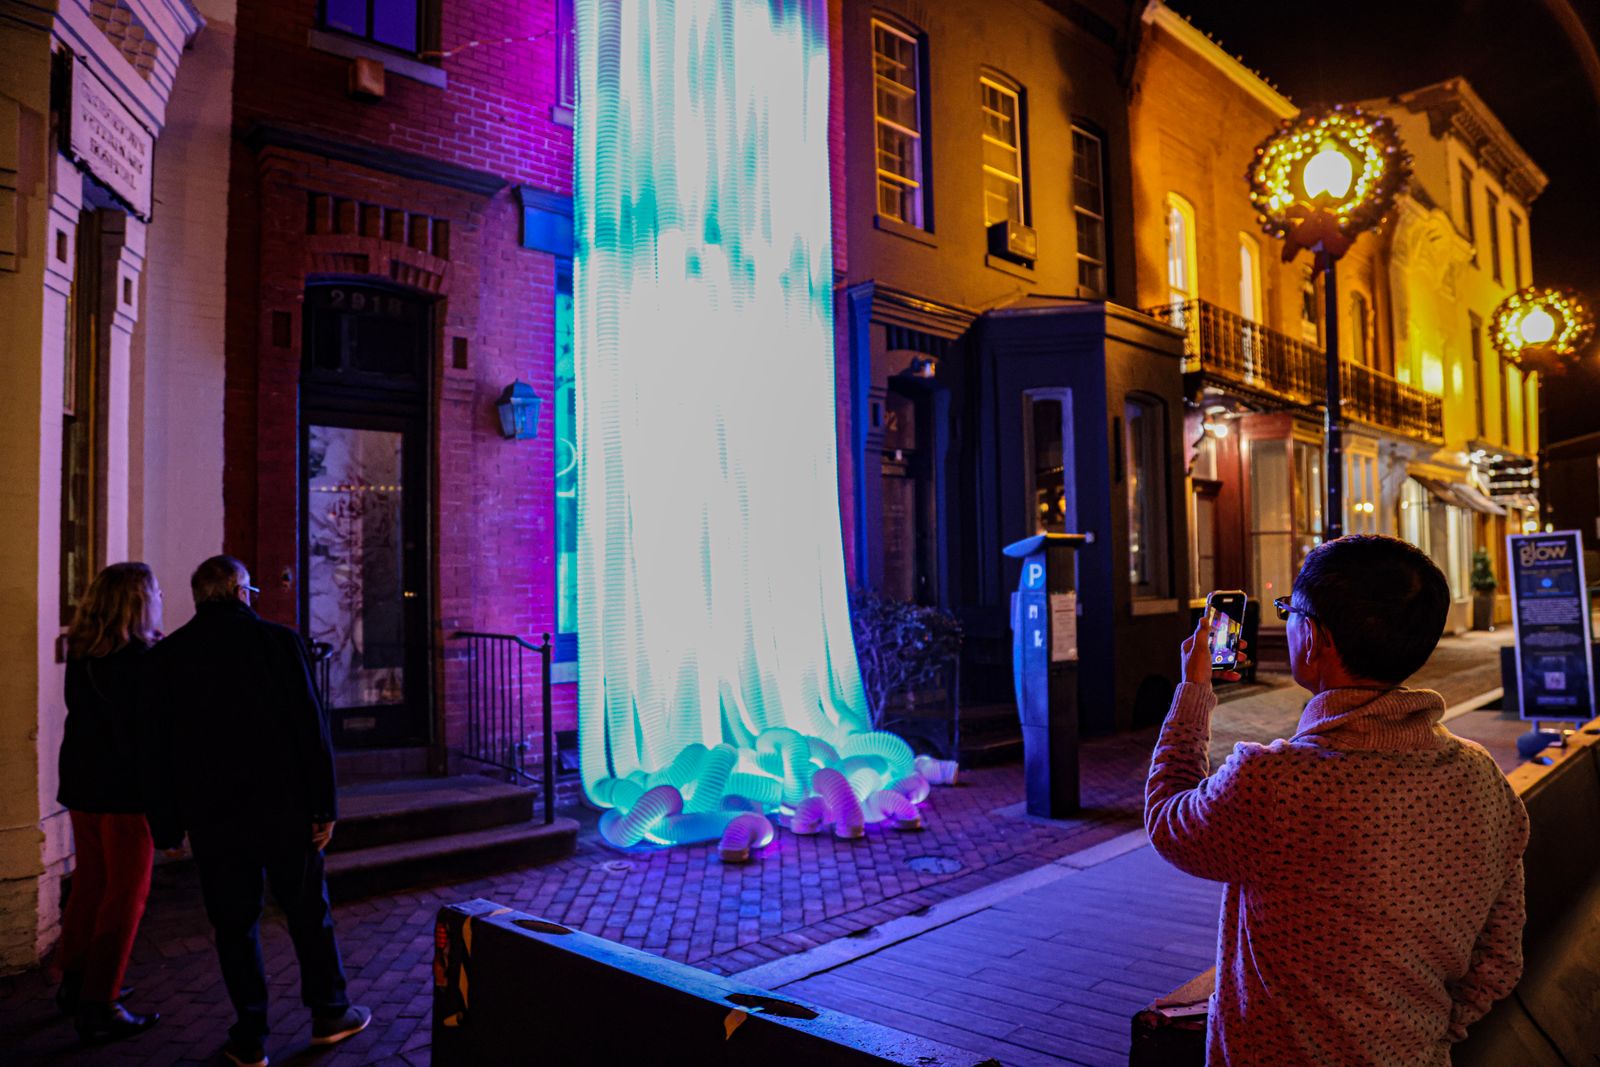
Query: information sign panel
column 1550, row 612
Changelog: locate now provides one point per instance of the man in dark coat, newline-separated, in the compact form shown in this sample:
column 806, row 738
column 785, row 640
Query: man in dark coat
column 241, row 760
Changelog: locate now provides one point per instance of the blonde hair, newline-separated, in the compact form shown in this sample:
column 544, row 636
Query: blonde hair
column 118, row 607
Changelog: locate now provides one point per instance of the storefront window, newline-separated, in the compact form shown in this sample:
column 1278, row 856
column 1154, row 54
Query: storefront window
column 1271, row 521
column 1415, row 504
column 1360, row 494
column 1309, row 499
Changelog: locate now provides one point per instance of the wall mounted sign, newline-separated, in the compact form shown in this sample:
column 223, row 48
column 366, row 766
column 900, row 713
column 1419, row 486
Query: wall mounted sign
column 104, row 139
column 1550, row 611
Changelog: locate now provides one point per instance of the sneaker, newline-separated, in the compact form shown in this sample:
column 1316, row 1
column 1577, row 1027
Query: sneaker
column 99, row 1023
column 244, row 1053
column 334, row 1030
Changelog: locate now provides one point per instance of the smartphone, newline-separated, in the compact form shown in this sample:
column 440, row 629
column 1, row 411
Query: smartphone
column 1227, row 627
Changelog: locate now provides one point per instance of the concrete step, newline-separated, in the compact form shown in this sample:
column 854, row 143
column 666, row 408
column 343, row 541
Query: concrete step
column 410, row 809
column 451, row 858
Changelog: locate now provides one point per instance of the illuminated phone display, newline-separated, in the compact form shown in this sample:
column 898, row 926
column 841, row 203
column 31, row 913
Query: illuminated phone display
column 1227, row 627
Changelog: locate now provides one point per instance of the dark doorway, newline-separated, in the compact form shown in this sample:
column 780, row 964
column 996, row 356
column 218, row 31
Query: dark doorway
column 910, row 493
column 363, row 484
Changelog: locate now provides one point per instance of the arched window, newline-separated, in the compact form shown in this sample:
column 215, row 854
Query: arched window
column 1181, row 255
column 1360, row 341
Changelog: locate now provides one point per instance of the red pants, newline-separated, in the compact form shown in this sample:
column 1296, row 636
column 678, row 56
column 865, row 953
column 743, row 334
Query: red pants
column 107, row 900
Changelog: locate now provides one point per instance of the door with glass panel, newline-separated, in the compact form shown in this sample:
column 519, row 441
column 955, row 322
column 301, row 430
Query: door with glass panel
column 364, row 549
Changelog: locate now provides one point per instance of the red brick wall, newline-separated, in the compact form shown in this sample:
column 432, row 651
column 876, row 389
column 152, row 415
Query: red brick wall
column 492, row 501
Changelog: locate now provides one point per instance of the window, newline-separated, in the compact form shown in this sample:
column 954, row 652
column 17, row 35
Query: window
column 566, row 469
column 1181, row 253
column 1494, row 234
column 1516, row 250
column 1360, row 494
column 1088, row 204
column 1309, row 499
column 1360, row 348
column 82, row 424
column 1469, row 221
column 1145, row 465
column 1508, row 383
column 1271, row 522
column 566, row 56
column 1249, row 278
column 1475, row 327
column 1310, row 324
column 1415, row 523
column 1004, row 191
column 393, row 24
column 1047, row 426
column 897, row 103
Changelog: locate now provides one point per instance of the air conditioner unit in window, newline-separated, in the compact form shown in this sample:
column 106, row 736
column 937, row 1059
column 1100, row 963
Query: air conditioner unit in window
column 1014, row 240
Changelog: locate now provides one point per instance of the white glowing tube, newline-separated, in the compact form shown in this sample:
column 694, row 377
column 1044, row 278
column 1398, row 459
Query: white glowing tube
column 744, row 833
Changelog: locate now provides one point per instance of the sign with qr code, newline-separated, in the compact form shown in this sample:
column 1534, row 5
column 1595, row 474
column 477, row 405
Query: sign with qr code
column 1550, row 611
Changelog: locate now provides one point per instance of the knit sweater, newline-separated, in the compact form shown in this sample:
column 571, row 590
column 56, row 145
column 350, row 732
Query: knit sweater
column 1374, row 900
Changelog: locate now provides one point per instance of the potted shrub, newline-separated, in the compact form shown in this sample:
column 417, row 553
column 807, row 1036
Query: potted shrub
column 902, row 648
column 1483, row 587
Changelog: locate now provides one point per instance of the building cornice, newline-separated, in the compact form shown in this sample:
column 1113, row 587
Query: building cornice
column 1454, row 107
column 1187, row 34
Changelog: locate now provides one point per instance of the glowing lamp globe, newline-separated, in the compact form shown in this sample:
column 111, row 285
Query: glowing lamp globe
column 1542, row 330
column 1325, row 177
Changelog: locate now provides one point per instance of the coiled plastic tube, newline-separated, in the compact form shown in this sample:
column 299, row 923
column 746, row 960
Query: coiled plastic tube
column 744, row 833
column 625, row 793
column 888, row 804
column 735, row 802
column 767, row 792
column 913, row 787
column 864, row 773
column 654, row 806
column 704, row 793
column 843, row 807
column 937, row 771
column 683, row 769
column 686, row 829
column 881, row 743
column 797, row 769
column 822, row 753
column 809, row 815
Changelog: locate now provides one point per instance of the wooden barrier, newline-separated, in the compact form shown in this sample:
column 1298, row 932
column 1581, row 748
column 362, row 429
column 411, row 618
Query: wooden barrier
column 513, row 989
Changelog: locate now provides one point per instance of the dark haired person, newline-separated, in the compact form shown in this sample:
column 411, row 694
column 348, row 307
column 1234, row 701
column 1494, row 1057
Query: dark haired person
column 1373, row 861
column 240, row 759
column 115, row 624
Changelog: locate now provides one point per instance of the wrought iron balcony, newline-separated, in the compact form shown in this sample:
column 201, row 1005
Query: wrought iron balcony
column 1232, row 351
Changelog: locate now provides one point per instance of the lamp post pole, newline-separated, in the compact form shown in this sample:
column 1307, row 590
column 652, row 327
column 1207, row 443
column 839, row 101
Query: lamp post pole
column 1333, row 417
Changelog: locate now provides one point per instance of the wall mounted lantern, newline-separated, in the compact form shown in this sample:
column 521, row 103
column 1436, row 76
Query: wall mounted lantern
column 519, row 411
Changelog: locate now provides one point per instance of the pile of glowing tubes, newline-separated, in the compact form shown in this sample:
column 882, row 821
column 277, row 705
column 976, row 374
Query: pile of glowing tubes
column 808, row 783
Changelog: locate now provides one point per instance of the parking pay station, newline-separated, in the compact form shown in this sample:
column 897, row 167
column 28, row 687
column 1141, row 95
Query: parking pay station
column 1044, row 659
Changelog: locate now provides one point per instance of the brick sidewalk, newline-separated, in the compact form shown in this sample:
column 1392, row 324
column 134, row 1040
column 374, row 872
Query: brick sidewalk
column 681, row 903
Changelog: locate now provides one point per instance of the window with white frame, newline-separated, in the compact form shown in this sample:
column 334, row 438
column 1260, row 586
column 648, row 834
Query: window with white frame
column 1310, row 324
column 1088, row 204
column 1360, row 342
column 897, row 104
column 1181, row 254
column 1004, row 193
column 1249, row 277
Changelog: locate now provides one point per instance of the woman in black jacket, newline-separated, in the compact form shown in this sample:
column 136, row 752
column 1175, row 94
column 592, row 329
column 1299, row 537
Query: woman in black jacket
column 117, row 621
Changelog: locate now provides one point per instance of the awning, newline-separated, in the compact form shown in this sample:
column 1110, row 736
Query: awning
column 1460, row 495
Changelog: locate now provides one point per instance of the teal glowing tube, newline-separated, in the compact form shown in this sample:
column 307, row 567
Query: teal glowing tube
column 913, row 786
column 629, row 829
column 766, row 791
column 703, row 273
column 688, row 828
column 705, row 792
column 843, row 807
column 900, row 758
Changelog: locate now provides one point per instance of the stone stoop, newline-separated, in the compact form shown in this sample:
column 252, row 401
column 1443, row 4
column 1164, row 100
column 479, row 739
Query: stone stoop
column 417, row 831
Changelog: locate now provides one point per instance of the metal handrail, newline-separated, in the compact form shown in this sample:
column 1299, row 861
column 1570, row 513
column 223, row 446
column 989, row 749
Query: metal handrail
column 496, row 723
column 1224, row 345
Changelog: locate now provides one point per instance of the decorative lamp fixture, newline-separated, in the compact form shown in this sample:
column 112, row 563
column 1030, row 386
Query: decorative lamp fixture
column 519, row 411
column 1541, row 329
column 1320, row 181
column 1325, row 177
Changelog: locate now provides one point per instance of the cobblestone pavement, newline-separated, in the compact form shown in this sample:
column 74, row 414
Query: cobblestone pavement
column 681, row 903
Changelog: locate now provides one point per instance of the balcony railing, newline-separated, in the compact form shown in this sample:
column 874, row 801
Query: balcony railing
column 1235, row 351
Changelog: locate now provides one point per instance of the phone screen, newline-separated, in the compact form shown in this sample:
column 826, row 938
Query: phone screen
column 1227, row 627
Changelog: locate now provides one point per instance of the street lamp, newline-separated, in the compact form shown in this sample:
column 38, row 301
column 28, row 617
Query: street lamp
column 1320, row 181
column 1542, row 330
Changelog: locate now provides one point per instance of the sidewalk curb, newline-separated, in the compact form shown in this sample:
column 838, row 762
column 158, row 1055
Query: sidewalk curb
column 843, row 950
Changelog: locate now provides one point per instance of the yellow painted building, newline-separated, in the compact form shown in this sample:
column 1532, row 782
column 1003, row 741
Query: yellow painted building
column 1424, row 407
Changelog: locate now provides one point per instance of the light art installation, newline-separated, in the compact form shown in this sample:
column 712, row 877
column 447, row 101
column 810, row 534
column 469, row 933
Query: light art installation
column 717, row 671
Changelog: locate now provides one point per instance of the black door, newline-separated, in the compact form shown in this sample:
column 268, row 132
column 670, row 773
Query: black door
column 364, row 537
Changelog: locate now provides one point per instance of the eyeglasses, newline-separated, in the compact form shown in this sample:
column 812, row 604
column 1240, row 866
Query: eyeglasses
column 1285, row 609
column 252, row 590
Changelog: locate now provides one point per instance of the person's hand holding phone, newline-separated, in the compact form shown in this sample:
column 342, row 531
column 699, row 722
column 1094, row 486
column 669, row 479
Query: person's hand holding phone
column 1197, row 668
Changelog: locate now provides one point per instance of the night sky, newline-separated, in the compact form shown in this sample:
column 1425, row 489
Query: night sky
column 1516, row 55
